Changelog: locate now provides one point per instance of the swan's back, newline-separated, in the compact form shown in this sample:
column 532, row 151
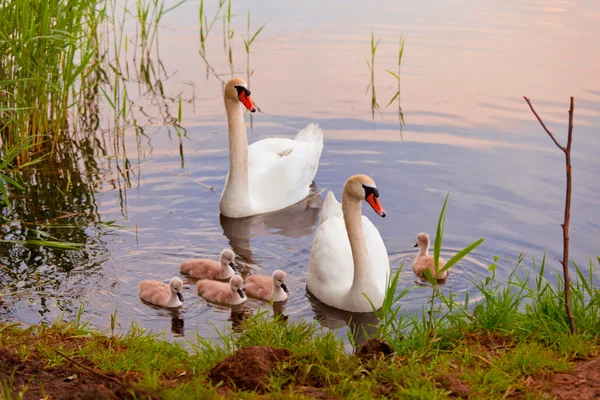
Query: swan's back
column 214, row 291
column 155, row 292
column 201, row 268
column 259, row 286
column 281, row 170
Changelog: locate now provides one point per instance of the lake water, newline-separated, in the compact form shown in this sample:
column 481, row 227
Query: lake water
column 465, row 68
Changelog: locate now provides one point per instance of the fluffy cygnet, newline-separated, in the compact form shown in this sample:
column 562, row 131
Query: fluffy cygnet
column 222, row 292
column 424, row 261
column 161, row 294
column 205, row 268
column 268, row 288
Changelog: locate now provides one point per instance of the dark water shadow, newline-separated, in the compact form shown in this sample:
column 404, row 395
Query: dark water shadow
column 362, row 325
column 296, row 221
column 177, row 321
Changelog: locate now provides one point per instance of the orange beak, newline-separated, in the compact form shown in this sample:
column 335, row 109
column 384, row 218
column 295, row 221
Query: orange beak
column 247, row 101
column 374, row 202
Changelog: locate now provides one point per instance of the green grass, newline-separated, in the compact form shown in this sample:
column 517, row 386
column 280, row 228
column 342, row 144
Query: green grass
column 492, row 363
column 492, row 348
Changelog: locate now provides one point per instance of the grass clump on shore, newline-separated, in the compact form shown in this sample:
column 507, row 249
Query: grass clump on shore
column 490, row 349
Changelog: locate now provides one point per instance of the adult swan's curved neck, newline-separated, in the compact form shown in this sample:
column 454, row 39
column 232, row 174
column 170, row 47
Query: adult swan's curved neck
column 237, row 185
column 363, row 274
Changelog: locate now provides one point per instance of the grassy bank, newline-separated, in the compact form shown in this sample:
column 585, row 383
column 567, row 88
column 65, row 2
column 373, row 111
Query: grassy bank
column 514, row 342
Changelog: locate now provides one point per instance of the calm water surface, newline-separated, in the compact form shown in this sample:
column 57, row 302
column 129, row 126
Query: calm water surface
column 466, row 66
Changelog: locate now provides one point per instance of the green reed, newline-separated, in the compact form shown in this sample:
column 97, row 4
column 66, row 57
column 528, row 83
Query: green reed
column 397, row 76
column 371, row 65
column 49, row 51
column 248, row 40
column 205, row 25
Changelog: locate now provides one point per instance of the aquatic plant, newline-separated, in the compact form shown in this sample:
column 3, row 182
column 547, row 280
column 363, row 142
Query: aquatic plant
column 248, row 40
column 392, row 322
column 205, row 26
column 397, row 76
column 371, row 65
column 50, row 53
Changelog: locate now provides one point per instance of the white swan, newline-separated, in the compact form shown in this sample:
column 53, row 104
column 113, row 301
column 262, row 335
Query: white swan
column 348, row 259
column 270, row 174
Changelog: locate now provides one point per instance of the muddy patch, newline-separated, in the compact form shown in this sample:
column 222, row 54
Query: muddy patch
column 374, row 349
column 249, row 368
column 456, row 386
column 490, row 340
column 582, row 383
column 66, row 382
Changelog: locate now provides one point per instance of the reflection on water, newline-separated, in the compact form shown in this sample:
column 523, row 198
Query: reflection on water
column 294, row 222
column 177, row 322
column 362, row 325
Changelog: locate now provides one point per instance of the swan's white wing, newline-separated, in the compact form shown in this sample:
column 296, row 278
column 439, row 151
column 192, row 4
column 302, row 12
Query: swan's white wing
column 280, row 170
column 331, row 208
column 331, row 269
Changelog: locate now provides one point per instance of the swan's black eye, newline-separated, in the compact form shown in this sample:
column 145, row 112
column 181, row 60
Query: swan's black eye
column 370, row 190
column 241, row 89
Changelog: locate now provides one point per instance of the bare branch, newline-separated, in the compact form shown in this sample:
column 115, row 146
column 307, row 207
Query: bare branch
column 570, row 123
column 544, row 125
column 565, row 224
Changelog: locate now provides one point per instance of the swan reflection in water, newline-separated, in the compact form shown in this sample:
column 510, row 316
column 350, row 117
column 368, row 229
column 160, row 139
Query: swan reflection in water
column 242, row 312
column 295, row 221
column 177, row 322
column 362, row 325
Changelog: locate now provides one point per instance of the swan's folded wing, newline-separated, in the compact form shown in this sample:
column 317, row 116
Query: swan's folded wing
column 280, row 171
column 331, row 208
column 331, row 269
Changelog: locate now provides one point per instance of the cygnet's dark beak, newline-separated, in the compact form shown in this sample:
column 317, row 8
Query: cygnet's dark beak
column 233, row 266
column 180, row 296
column 284, row 287
column 241, row 293
column 416, row 244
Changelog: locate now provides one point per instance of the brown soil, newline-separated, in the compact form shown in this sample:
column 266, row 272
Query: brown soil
column 454, row 385
column 582, row 383
column 65, row 382
column 490, row 340
column 373, row 349
column 248, row 368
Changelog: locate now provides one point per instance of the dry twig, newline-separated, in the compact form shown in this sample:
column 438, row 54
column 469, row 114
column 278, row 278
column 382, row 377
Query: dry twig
column 565, row 225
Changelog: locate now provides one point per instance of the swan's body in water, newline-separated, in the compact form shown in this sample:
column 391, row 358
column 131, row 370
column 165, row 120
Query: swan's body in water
column 270, row 174
column 205, row 268
column 161, row 294
column 268, row 288
column 348, row 258
column 424, row 261
column 230, row 293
